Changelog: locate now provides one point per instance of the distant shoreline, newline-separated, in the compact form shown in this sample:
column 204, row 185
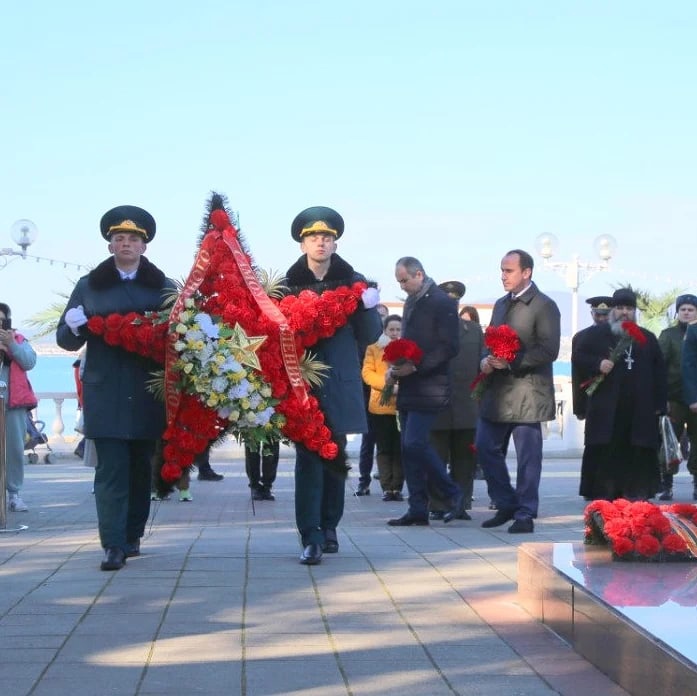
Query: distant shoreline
column 52, row 350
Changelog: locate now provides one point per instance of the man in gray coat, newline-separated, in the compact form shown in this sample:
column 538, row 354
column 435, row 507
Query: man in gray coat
column 519, row 395
column 122, row 416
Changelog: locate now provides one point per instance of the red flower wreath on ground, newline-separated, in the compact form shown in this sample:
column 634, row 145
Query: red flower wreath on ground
column 642, row 531
column 224, row 285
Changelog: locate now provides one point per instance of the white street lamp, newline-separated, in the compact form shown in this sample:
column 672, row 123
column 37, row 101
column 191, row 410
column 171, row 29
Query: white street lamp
column 576, row 271
column 24, row 233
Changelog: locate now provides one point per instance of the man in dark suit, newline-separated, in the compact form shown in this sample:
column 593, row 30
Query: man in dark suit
column 122, row 416
column 519, row 395
column 430, row 320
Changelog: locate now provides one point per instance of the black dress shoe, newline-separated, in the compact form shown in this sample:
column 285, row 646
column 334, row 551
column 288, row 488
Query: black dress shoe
column 114, row 559
column 362, row 490
column 408, row 520
column 331, row 543
column 133, row 548
column 436, row 515
column 522, row 527
column 397, row 496
column 457, row 508
column 209, row 475
column 501, row 517
column 464, row 515
column 311, row 555
column 387, row 496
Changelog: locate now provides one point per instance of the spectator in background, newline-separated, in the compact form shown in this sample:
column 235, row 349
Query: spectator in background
column 689, row 374
column 455, row 426
column 261, row 466
column 470, row 313
column 600, row 313
column 122, row 415
column 368, row 440
column 80, row 426
column 671, row 341
column 17, row 357
column 382, row 418
column 205, row 470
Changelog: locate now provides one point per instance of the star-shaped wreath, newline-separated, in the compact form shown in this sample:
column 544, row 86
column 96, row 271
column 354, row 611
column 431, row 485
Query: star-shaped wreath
column 233, row 355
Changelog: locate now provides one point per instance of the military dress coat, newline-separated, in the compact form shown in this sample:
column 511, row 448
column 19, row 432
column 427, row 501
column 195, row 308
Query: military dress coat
column 117, row 402
column 525, row 392
column 340, row 395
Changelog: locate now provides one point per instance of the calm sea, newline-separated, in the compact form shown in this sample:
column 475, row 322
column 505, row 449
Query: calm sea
column 54, row 373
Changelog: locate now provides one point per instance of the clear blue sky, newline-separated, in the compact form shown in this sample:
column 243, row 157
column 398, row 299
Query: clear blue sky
column 449, row 130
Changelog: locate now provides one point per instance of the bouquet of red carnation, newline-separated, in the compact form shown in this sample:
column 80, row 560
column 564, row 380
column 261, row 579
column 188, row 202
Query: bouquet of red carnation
column 631, row 333
column 398, row 352
column 503, row 342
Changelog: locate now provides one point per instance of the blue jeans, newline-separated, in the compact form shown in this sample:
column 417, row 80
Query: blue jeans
column 492, row 444
column 421, row 463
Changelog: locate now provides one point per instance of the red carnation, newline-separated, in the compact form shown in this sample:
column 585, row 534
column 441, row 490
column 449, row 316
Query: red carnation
column 503, row 343
column 398, row 352
column 402, row 350
column 634, row 332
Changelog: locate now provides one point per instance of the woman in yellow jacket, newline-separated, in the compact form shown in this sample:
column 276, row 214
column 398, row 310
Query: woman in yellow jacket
column 383, row 418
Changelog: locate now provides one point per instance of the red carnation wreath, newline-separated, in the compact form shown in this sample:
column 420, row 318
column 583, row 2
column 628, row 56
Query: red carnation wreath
column 642, row 531
column 223, row 284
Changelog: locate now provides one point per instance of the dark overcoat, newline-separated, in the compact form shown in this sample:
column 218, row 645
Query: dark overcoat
column 689, row 364
column 525, row 392
column 432, row 324
column 341, row 394
column 671, row 342
column 645, row 392
column 117, row 401
column 462, row 411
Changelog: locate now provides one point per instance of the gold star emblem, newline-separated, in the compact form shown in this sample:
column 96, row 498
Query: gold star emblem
column 245, row 348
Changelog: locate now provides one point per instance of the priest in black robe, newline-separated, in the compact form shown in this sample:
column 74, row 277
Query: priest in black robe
column 620, row 457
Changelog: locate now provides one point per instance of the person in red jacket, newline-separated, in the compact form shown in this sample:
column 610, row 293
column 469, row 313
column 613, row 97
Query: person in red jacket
column 17, row 357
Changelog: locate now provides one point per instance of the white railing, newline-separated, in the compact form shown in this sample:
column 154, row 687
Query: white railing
column 562, row 435
column 56, row 429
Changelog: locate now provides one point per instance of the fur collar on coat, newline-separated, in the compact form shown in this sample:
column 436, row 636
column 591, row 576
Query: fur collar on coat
column 106, row 275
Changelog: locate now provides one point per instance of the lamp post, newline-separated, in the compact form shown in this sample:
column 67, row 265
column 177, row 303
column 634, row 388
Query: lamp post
column 24, row 233
column 576, row 271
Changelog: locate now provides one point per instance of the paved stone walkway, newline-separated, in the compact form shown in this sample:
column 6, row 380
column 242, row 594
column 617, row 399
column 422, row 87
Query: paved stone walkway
column 218, row 604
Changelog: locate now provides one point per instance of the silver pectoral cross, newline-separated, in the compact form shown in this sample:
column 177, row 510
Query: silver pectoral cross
column 628, row 358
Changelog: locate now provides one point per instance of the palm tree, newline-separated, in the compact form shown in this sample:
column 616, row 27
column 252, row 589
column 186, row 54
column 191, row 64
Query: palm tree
column 654, row 308
column 46, row 320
